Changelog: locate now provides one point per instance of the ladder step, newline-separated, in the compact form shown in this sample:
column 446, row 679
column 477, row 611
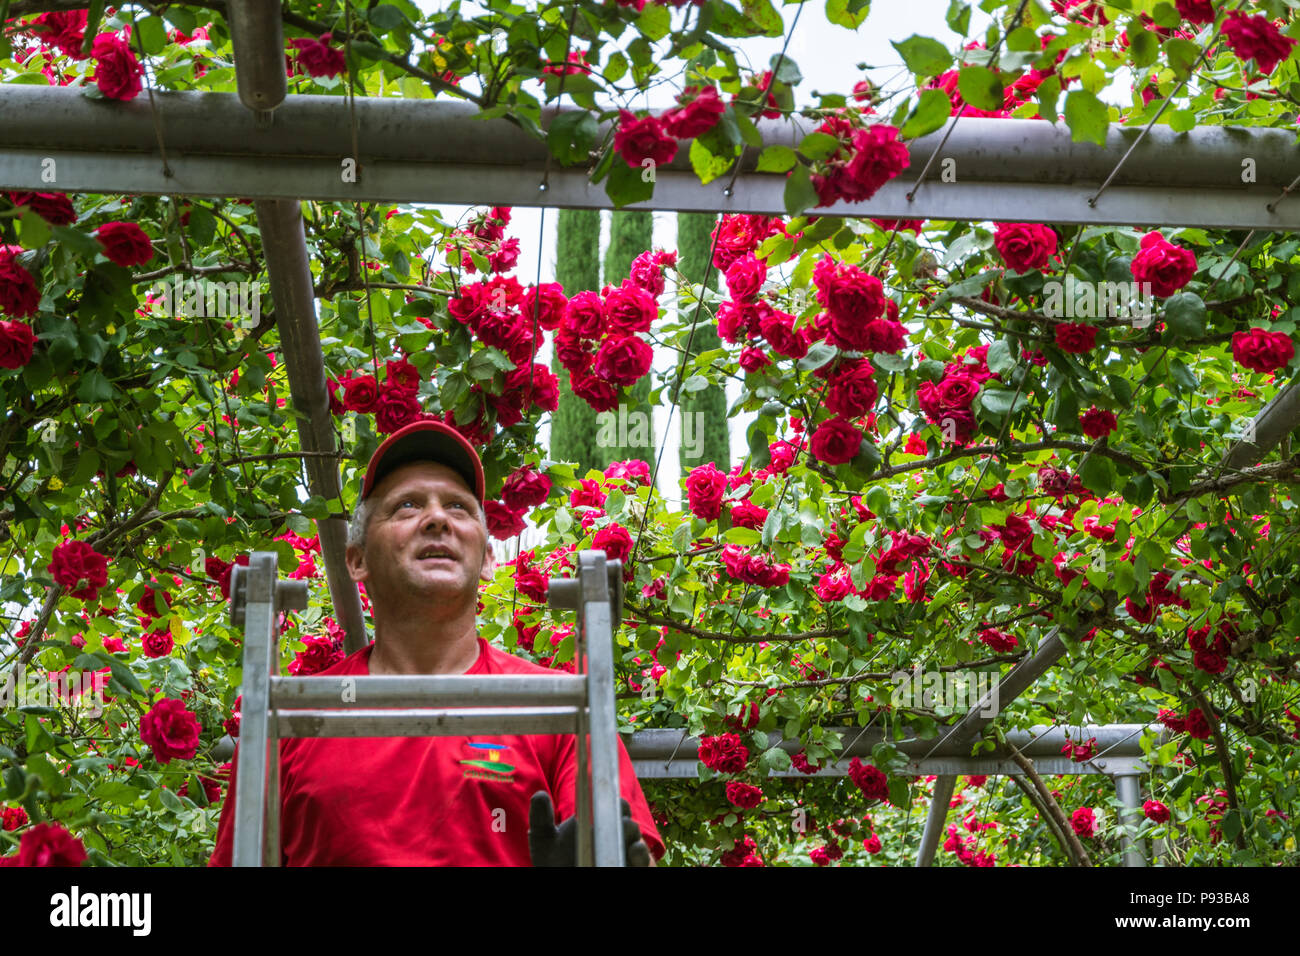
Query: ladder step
column 426, row 722
column 486, row 690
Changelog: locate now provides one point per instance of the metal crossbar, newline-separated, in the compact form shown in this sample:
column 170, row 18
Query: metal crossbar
column 276, row 707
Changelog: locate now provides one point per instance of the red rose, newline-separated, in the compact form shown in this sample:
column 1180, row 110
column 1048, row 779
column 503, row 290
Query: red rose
column 1077, row 337
column 1083, row 822
column 584, row 316
column 360, row 393
column 1262, row 351
column 836, row 441
column 150, row 600
column 623, row 361
column 1195, row 11
column 1154, row 810
column 1097, row 422
column 1024, row 246
column 171, row 730
column 19, row 295
column 640, row 139
column 615, row 541
column 587, row 494
column 525, row 488
column 735, row 235
column 545, row 387
column 117, row 71
column 503, row 522
column 1256, row 38
column 1165, row 266
column 871, row 781
column 394, row 409
column 79, row 568
column 1197, row 725
column 223, row 579
column 549, row 302
column 16, row 344
column 878, row 157
column 998, row 641
column 634, row 469
column 745, row 277
column 48, row 844
column 402, row 375
column 743, row 795
column 647, row 271
column 54, row 208
column 698, row 112
column 852, row 391
column 957, row 391
column 748, row 515
column 573, row 352
column 629, row 308
column 853, row 298
column 532, row 584
column 778, row 328
column 725, row 753
column 705, row 486
column 157, row 643
column 884, row 335
column 64, row 30
column 319, row 653
column 125, row 243
column 317, row 57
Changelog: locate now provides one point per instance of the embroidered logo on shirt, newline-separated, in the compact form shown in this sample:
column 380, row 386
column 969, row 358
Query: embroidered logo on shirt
column 493, row 768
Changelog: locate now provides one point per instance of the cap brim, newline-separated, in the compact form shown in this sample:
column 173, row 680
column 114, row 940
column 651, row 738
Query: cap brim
column 426, row 441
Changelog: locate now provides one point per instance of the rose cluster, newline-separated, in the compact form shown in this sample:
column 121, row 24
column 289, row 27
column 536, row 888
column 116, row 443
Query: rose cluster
column 753, row 569
column 864, row 159
column 654, row 138
column 394, row 403
column 947, row 403
column 1211, row 654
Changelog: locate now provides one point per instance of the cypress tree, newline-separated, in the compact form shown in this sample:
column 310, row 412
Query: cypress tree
column 703, row 413
column 631, row 233
column 577, row 268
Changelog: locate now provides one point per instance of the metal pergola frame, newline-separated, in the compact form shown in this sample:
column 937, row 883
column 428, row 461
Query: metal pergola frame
column 277, row 150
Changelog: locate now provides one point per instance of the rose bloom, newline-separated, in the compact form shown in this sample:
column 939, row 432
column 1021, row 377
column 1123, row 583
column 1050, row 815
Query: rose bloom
column 698, row 112
column 836, row 441
column 317, row 57
column 751, row 360
column 852, row 391
column 54, row 208
column 1262, row 351
column 1155, row 811
column 1083, row 822
column 47, row 844
column 503, row 521
column 549, row 301
column 1197, row 725
column 725, row 753
column 525, row 488
column 17, row 342
column 318, row 654
column 79, row 568
column 629, row 308
column 1256, row 38
column 871, row 781
column 997, row 640
column 748, row 515
column 878, row 157
column 615, row 541
column 532, row 584
column 125, row 243
column 833, row 586
column 624, row 360
column 1195, row 11
column 157, row 643
column 64, row 30
column 117, row 71
column 1166, row 266
column 745, row 277
column 599, row 394
column 640, row 139
column 743, row 795
column 705, row 486
column 778, row 328
column 19, row 295
column 584, row 315
column 360, row 393
column 634, row 469
column 1024, row 246
column 737, row 234
column 394, row 409
column 535, row 383
column 1097, row 422
column 171, row 730
column 1076, row 337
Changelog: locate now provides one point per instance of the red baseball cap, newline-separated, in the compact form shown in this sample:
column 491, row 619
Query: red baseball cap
column 426, row 440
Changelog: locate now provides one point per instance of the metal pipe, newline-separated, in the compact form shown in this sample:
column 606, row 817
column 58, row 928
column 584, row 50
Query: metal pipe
column 285, row 248
column 426, row 722
column 1129, row 792
column 253, row 601
column 421, row 151
column 935, row 818
column 488, row 690
column 1275, row 421
column 257, row 38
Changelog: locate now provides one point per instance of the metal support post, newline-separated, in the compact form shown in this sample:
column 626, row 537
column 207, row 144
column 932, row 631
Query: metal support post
column 935, row 818
column 1129, row 791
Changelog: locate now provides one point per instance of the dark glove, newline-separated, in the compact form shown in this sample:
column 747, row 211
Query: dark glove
column 549, row 845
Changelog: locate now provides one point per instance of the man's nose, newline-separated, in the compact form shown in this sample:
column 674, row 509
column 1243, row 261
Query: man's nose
column 435, row 515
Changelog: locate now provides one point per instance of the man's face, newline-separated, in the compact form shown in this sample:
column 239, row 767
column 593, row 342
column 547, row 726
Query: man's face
column 424, row 538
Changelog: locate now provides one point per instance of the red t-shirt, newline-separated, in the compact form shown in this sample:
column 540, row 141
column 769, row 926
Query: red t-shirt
column 423, row 801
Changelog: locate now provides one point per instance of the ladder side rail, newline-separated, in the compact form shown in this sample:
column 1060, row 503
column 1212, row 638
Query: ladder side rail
column 605, row 796
column 253, row 606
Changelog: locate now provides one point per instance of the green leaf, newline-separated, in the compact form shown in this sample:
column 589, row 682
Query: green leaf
column 929, row 114
column 773, row 159
column 980, row 87
column 35, row 231
column 818, row 355
column 1048, row 92
column 819, row 145
column 1185, row 315
column 315, row 507
column 1181, row 54
column 999, row 357
column 706, row 165
column 654, row 22
column 1001, row 401
column 1086, row 116
column 1143, row 47
column 958, row 17
column 787, row 71
column 77, row 241
column 924, row 56
column 799, row 192
column 94, row 387
column 153, row 34
column 386, row 17
column 627, row 185
column 571, row 136
column 847, row 14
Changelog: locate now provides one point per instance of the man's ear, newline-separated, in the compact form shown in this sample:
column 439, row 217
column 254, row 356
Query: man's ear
column 356, row 561
column 489, row 568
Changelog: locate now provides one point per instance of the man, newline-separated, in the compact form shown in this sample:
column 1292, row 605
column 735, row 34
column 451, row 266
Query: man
column 418, row 541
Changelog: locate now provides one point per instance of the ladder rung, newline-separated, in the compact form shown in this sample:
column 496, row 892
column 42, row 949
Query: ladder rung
column 426, row 722
column 487, row 690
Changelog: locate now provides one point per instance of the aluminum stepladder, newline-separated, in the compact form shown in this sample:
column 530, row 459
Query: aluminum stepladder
column 277, row 707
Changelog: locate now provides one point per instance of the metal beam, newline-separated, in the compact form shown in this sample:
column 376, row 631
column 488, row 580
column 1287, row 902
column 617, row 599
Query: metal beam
column 428, row 151
column 1275, row 421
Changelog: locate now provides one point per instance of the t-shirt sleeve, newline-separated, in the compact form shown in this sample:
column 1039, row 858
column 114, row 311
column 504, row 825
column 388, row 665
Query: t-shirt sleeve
column 629, row 786
column 225, row 848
